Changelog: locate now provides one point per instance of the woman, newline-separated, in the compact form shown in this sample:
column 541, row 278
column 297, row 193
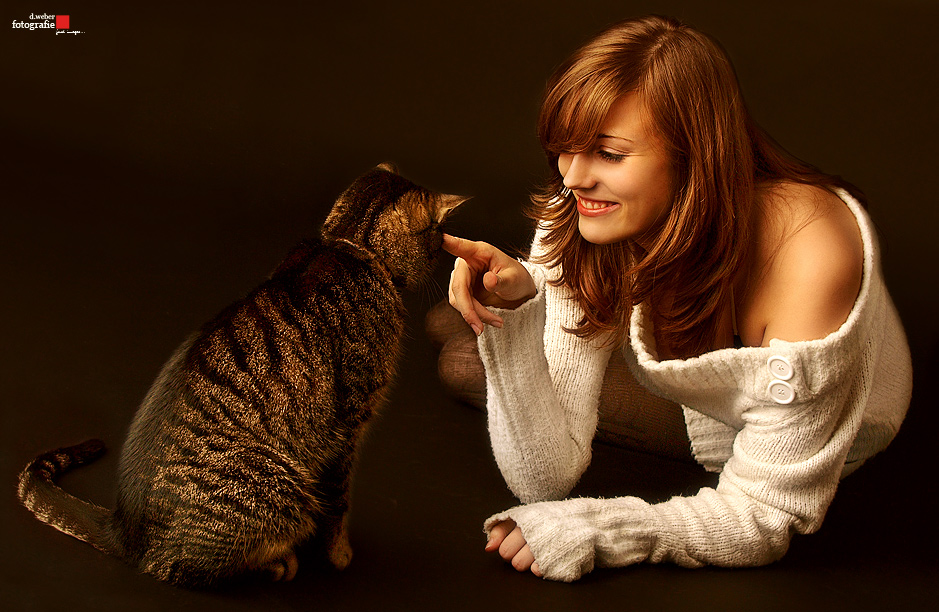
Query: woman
column 734, row 279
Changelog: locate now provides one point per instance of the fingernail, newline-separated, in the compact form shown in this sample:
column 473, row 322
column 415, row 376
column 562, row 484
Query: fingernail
column 496, row 324
column 477, row 329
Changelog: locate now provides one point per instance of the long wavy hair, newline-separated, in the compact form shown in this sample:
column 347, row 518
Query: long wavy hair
column 719, row 156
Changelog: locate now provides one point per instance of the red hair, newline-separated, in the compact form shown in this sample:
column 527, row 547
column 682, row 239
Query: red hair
column 719, row 155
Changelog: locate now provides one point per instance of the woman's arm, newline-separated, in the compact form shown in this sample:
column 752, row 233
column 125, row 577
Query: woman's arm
column 779, row 481
column 542, row 412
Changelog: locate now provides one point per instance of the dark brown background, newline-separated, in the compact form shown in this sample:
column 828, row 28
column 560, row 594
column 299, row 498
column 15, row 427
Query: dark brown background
column 158, row 165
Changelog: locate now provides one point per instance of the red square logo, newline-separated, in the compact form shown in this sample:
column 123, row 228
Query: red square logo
column 61, row 22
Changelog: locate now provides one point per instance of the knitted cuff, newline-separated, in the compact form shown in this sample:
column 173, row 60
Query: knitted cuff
column 569, row 538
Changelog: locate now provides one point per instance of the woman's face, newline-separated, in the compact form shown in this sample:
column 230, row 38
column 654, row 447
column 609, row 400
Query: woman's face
column 623, row 184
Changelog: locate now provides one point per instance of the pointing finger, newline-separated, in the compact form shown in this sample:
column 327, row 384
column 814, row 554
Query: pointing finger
column 457, row 246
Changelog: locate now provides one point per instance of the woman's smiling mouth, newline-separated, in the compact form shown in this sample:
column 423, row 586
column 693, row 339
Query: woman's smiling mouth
column 594, row 208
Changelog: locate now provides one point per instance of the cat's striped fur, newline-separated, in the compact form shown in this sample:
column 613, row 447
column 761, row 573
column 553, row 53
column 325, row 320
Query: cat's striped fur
column 243, row 447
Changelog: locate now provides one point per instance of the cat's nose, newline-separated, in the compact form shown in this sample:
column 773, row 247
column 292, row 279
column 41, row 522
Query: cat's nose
column 388, row 167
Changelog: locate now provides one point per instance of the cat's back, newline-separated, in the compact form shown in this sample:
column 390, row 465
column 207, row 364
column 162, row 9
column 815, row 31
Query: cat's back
column 331, row 293
column 325, row 325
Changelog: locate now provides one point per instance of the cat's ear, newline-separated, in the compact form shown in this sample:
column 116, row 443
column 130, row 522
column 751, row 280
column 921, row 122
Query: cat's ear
column 446, row 203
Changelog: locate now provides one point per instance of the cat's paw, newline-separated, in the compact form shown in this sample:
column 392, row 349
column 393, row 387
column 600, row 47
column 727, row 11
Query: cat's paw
column 340, row 555
column 284, row 569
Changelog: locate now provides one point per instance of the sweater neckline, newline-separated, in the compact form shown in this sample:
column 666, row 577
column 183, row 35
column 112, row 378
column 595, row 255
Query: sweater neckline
column 641, row 330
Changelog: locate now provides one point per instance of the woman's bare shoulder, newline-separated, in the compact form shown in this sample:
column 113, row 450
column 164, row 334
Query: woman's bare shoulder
column 812, row 260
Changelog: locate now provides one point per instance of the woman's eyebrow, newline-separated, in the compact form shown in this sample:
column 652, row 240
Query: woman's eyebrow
column 623, row 138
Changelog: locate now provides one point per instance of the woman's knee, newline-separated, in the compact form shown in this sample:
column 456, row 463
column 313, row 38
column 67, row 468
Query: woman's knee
column 459, row 366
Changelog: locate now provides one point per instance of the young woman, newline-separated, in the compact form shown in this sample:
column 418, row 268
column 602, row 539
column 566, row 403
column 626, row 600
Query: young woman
column 735, row 281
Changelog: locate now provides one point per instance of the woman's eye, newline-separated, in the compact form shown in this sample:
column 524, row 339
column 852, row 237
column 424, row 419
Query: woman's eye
column 610, row 156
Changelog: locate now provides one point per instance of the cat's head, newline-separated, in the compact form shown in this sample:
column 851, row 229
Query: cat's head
column 392, row 219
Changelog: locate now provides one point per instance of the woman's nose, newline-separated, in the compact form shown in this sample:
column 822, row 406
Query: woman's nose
column 575, row 168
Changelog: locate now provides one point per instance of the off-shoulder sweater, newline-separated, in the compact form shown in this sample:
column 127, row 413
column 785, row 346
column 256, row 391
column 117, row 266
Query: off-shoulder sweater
column 782, row 424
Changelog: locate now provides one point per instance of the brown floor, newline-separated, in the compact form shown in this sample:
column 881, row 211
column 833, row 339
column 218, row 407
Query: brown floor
column 425, row 483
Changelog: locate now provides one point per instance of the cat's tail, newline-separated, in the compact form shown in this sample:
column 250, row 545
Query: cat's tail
column 53, row 506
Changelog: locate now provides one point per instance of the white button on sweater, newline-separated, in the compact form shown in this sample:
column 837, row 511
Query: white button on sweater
column 779, row 463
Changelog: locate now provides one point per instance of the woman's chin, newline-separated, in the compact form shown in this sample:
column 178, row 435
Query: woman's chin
column 600, row 233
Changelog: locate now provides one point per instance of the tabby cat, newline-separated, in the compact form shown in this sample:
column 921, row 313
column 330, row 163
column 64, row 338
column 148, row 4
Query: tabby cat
column 243, row 447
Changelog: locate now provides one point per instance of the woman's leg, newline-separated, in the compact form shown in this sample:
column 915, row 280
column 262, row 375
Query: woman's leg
column 629, row 415
column 459, row 367
column 632, row 417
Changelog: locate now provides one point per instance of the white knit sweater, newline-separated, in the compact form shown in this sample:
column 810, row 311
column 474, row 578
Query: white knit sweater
column 782, row 424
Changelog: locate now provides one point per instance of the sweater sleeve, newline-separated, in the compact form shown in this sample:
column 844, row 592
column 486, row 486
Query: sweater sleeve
column 780, row 480
column 541, row 419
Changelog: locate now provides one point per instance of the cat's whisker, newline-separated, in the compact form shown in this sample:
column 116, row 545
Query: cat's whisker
column 432, row 290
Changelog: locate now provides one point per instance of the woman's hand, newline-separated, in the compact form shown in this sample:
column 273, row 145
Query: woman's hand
column 506, row 537
column 485, row 276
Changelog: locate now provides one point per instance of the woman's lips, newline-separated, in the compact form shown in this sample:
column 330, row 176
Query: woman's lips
column 594, row 208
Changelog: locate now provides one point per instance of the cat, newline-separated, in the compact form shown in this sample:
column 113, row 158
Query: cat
column 244, row 446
